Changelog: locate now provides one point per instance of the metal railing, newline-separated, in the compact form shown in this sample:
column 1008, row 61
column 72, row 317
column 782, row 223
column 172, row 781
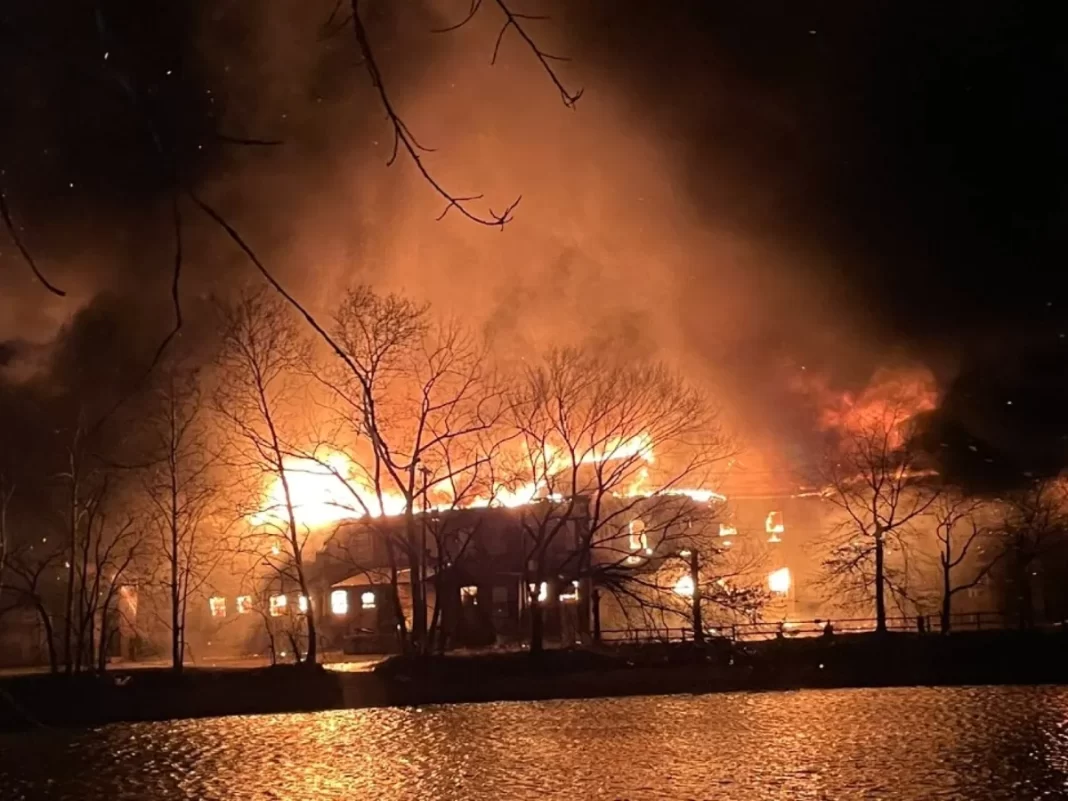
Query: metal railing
column 791, row 629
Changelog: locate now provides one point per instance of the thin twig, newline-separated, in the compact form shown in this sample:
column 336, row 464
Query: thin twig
column 274, row 282
column 475, row 6
column 403, row 137
column 26, row 255
column 512, row 21
column 176, row 280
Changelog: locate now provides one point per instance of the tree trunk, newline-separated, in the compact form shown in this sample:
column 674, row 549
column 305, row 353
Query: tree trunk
column 695, row 577
column 312, row 655
column 415, row 566
column 102, row 654
column 177, row 621
column 68, row 622
column 50, row 639
column 880, row 584
column 947, row 599
column 1025, row 595
column 177, row 657
column 595, row 602
column 537, row 623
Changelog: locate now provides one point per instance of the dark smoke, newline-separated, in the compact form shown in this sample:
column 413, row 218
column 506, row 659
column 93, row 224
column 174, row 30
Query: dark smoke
column 759, row 192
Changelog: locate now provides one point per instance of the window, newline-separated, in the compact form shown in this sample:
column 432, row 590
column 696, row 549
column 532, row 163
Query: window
column 339, row 602
column 244, row 604
column 637, row 538
column 774, row 526
column 684, row 586
column 779, row 581
column 302, row 604
column 469, row 595
column 571, row 596
column 543, row 592
column 217, row 605
column 500, row 595
column 278, row 605
column 367, row 600
column 726, row 530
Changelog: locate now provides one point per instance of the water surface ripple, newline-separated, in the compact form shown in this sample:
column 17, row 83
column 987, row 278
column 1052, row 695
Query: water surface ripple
column 972, row 744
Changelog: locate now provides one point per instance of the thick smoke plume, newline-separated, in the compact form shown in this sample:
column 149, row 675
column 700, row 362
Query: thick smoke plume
column 683, row 209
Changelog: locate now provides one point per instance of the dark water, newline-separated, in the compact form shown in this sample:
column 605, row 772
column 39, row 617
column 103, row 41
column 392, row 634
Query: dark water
column 971, row 744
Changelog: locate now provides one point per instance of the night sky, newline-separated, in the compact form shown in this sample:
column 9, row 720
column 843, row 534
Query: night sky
column 836, row 186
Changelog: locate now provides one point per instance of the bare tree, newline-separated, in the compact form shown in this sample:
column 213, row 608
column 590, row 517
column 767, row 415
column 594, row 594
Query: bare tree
column 698, row 583
column 30, row 576
column 611, row 444
column 258, row 396
column 876, row 477
column 958, row 528
column 78, row 478
column 1033, row 527
column 414, row 395
column 180, row 492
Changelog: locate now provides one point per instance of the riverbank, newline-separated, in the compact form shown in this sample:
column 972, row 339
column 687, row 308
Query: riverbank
column 841, row 661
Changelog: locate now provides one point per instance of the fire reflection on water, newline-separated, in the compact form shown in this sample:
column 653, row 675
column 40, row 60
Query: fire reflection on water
column 910, row 744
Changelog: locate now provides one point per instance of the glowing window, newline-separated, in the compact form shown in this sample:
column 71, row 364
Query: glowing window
column 571, row 595
column 774, row 526
column 339, row 602
column 217, row 605
column 684, row 586
column 726, row 530
column 244, row 604
column 543, row 592
column 278, row 605
column 469, row 594
column 367, row 600
column 779, row 581
column 302, row 604
column 637, row 538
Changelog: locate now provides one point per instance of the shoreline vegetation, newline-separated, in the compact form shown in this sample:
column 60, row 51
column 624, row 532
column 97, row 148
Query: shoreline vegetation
column 33, row 700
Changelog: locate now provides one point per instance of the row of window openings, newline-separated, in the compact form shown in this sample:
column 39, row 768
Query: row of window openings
column 638, row 538
column 278, row 605
column 500, row 594
column 773, row 527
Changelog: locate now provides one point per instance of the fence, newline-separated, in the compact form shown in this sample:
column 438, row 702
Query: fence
column 748, row 632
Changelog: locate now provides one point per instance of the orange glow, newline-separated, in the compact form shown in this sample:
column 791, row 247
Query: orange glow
column 339, row 602
column 278, row 605
column 891, row 398
column 774, row 526
column 323, row 491
column 779, row 580
column 332, row 488
column 684, row 586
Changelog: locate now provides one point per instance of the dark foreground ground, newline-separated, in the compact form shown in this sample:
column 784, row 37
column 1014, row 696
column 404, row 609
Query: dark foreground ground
column 843, row 661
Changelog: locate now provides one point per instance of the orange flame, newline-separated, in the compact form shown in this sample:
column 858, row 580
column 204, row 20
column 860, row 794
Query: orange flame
column 332, row 489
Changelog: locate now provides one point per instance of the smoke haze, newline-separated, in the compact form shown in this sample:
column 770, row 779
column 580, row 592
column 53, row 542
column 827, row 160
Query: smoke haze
column 729, row 193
